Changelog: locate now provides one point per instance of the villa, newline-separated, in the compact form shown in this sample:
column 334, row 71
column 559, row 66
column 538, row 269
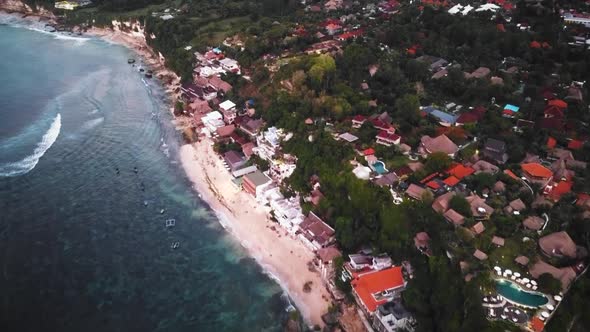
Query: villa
column 558, row 244
column 495, row 151
column 536, row 173
column 315, row 233
column 255, row 183
column 440, row 143
column 479, row 209
column 388, row 139
column 454, row 217
column 288, row 213
column 565, row 274
column 373, row 289
column 391, row 317
column 234, row 160
column 228, row 109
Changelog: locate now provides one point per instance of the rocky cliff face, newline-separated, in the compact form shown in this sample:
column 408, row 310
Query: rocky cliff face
column 21, row 7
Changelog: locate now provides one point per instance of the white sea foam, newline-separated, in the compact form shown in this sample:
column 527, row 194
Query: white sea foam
column 91, row 124
column 28, row 163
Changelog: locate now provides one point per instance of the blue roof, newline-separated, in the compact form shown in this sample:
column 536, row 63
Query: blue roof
column 429, row 109
column 511, row 108
column 444, row 117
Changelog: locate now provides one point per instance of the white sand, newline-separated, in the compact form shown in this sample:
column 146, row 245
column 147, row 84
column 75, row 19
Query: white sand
column 283, row 256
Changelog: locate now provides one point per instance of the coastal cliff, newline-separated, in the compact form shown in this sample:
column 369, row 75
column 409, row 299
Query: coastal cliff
column 21, row 7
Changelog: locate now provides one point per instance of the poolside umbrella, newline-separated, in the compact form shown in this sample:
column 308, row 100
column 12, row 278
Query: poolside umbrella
column 497, row 268
column 545, row 314
column 557, row 298
column 509, row 272
column 534, row 282
column 517, row 274
column 526, row 280
column 550, row 307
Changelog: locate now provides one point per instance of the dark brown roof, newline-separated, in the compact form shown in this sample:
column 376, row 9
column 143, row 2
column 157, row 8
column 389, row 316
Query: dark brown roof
column 558, row 244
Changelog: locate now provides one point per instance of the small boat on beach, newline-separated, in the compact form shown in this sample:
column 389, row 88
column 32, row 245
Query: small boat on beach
column 170, row 223
column 175, row 245
column 130, row 61
column 162, row 211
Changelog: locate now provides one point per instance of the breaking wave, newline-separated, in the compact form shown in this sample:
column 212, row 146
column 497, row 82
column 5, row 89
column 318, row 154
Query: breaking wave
column 28, row 163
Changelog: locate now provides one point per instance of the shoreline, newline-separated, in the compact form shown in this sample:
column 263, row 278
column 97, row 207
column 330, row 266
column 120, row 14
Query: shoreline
column 282, row 257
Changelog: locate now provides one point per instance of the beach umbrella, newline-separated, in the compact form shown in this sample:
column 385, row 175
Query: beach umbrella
column 550, row 307
column 545, row 314
column 557, row 298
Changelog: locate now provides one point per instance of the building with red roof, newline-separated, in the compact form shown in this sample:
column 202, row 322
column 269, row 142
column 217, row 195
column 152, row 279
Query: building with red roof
column 551, row 142
column 373, row 289
column 358, row 121
column 460, row 171
column 575, row 144
column 388, row 139
column 451, row 181
column 556, row 190
column 552, row 111
column 558, row 103
column 536, row 324
column 369, row 152
column 537, row 173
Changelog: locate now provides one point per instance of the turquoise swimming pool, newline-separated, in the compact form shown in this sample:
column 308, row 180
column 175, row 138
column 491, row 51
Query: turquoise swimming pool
column 379, row 167
column 513, row 293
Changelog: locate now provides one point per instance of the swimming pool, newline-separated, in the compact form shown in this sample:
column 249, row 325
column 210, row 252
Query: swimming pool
column 379, row 167
column 513, row 293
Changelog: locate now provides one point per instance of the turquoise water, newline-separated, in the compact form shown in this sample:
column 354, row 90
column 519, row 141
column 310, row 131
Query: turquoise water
column 379, row 167
column 88, row 159
column 514, row 293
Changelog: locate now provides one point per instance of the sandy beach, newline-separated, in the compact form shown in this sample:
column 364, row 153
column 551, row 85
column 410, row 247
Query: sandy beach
column 283, row 256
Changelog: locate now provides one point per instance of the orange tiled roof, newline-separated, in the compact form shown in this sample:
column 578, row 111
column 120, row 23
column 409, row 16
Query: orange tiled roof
column 537, row 324
column 575, row 144
column 536, row 170
column 433, row 184
column 460, row 171
column 371, row 283
column 551, row 142
column 451, row 181
column 511, row 174
column 562, row 188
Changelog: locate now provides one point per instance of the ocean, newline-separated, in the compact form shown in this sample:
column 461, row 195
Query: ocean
column 89, row 175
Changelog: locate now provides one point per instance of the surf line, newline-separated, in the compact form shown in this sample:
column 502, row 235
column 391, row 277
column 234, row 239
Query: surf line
column 28, row 163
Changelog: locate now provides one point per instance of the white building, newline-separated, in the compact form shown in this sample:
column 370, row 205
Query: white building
column 228, row 109
column 269, row 143
column 391, row 317
column 576, row 19
column 230, row 65
column 288, row 213
column 212, row 121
